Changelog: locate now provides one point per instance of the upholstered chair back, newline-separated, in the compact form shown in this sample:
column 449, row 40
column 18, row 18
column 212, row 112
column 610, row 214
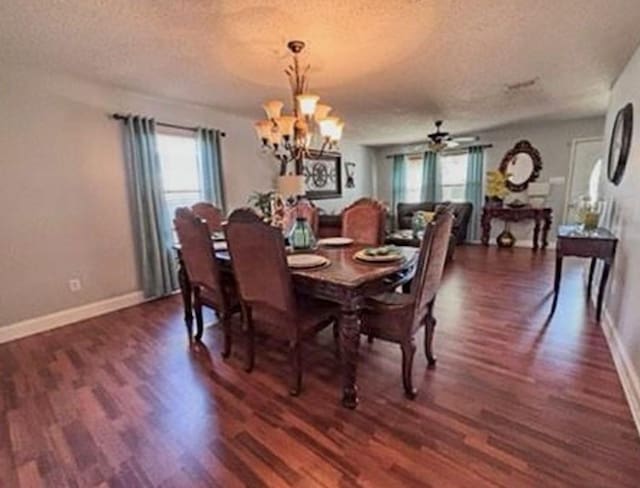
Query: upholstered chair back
column 211, row 214
column 259, row 262
column 197, row 253
column 302, row 208
column 433, row 255
column 364, row 222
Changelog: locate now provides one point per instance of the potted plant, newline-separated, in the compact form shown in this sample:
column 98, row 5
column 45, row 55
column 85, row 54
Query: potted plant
column 496, row 188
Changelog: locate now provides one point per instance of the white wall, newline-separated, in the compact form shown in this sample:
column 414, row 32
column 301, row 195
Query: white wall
column 63, row 189
column 624, row 290
column 552, row 138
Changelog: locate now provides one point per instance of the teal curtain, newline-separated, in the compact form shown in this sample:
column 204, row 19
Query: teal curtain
column 210, row 160
column 473, row 189
column 399, row 174
column 431, row 185
column 151, row 222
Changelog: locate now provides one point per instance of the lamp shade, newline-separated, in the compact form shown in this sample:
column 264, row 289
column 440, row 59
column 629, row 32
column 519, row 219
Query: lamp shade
column 286, row 124
column 291, row 185
column 328, row 127
column 322, row 111
column 263, row 129
column 307, row 103
column 273, row 108
column 337, row 135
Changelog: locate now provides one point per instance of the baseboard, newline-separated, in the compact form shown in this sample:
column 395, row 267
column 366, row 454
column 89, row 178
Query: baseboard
column 628, row 376
column 69, row 316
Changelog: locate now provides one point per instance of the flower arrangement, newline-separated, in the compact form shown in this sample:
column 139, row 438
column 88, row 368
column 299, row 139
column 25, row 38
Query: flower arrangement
column 496, row 185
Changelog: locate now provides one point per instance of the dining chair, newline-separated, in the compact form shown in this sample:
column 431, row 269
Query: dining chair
column 396, row 317
column 364, row 222
column 211, row 214
column 301, row 208
column 265, row 285
column 210, row 286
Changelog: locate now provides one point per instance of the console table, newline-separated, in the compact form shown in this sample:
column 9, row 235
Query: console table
column 542, row 218
column 595, row 244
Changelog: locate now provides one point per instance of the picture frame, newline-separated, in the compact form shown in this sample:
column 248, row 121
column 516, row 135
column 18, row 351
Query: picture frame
column 322, row 175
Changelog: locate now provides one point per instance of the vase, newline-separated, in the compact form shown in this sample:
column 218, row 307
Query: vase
column 506, row 238
column 301, row 235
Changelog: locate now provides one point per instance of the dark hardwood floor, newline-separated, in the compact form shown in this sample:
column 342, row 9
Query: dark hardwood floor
column 122, row 400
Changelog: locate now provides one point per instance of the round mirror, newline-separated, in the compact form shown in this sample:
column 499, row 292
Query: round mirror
column 620, row 144
column 520, row 169
column 522, row 165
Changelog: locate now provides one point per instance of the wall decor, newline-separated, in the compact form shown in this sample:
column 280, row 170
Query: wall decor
column 350, row 170
column 322, row 174
column 521, row 165
column 620, row 144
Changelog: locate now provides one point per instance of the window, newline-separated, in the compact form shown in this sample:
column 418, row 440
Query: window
column 594, row 181
column 413, row 180
column 453, row 176
column 181, row 174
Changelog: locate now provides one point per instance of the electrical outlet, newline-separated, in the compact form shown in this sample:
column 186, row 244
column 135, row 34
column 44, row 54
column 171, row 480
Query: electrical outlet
column 75, row 285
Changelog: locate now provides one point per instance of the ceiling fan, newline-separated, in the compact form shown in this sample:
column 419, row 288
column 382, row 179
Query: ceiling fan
column 439, row 140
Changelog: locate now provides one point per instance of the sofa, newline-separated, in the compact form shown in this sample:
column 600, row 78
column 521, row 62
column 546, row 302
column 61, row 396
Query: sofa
column 461, row 211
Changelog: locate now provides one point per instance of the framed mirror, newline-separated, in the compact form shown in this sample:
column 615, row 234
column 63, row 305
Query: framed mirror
column 523, row 165
column 620, row 144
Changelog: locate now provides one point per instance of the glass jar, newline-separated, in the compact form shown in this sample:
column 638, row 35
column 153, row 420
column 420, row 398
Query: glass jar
column 589, row 213
column 301, row 235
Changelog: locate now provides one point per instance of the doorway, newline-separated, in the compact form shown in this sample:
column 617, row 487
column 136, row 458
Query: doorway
column 586, row 156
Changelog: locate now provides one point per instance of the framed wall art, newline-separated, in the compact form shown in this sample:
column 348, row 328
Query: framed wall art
column 322, row 175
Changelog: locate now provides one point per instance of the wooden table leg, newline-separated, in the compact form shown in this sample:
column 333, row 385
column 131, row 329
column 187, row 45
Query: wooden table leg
column 545, row 230
column 486, row 229
column 603, row 283
column 185, row 291
column 592, row 269
column 349, row 343
column 536, row 233
column 556, row 283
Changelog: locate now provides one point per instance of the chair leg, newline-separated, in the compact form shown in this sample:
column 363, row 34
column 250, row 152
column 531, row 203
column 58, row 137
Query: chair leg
column 429, row 331
column 250, row 337
column 408, row 350
column 295, row 355
column 226, row 328
column 197, row 309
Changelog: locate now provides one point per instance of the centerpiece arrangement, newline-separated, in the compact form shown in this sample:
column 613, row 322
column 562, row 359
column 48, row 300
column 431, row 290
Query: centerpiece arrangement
column 496, row 187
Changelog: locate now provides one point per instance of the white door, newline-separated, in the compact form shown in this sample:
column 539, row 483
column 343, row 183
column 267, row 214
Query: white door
column 585, row 154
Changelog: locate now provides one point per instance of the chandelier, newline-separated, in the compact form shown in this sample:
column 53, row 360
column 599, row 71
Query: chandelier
column 289, row 136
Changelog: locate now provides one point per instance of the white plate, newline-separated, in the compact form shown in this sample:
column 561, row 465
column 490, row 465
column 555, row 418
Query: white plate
column 385, row 258
column 220, row 245
column 335, row 241
column 303, row 261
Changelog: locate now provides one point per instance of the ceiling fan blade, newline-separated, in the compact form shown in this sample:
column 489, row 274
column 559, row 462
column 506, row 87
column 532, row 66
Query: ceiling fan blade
column 463, row 139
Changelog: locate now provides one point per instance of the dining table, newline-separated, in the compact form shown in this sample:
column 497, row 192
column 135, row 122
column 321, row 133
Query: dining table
column 346, row 281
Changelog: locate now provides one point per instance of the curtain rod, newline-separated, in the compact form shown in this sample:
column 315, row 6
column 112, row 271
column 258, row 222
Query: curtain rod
column 166, row 124
column 446, row 151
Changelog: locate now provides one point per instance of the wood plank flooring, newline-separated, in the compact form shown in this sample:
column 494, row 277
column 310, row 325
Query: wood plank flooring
column 122, row 400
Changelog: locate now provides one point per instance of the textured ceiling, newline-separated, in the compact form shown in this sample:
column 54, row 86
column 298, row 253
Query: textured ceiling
column 390, row 67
